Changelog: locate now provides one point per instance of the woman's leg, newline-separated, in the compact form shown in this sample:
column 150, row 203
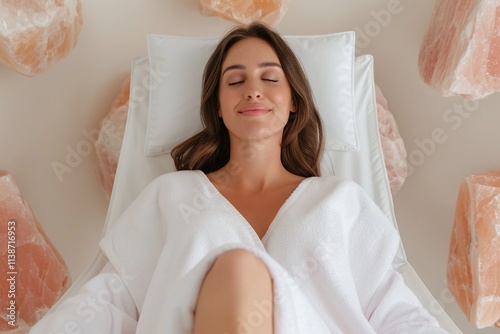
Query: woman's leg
column 236, row 296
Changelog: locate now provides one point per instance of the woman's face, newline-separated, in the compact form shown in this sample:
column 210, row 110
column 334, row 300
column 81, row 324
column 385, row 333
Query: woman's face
column 254, row 95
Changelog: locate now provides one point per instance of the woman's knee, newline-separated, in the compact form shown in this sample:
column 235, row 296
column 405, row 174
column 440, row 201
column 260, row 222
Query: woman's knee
column 237, row 291
column 240, row 265
column 241, row 260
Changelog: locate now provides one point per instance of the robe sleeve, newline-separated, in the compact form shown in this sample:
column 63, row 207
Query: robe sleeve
column 395, row 309
column 111, row 301
column 134, row 243
column 102, row 306
column 388, row 304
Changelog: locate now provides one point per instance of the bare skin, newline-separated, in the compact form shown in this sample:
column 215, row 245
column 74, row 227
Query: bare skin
column 255, row 103
column 236, row 296
column 255, row 176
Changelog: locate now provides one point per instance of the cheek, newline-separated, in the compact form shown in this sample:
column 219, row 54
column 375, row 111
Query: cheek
column 226, row 107
column 282, row 94
column 285, row 100
column 226, row 100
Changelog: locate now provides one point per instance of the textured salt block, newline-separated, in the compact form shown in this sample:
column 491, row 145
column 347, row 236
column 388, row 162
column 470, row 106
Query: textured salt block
column 35, row 34
column 474, row 257
column 36, row 272
column 460, row 53
column 392, row 144
column 246, row 11
column 109, row 142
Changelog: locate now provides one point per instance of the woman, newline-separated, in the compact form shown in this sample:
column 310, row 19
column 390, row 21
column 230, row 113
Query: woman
column 245, row 237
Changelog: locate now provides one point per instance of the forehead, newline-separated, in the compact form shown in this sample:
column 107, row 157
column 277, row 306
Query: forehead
column 250, row 50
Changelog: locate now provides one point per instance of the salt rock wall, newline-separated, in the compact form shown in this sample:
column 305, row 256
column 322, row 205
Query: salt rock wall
column 109, row 142
column 246, row 11
column 474, row 261
column 460, row 53
column 34, row 275
column 35, row 34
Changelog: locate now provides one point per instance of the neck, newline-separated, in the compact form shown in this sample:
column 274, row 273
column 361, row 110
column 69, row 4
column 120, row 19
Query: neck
column 253, row 166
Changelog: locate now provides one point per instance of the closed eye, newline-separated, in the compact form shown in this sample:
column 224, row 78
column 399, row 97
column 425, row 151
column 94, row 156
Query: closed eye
column 235, row 83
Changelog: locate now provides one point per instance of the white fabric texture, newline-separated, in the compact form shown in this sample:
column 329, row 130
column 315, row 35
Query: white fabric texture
column 329, row 251
column 102, row 305
column 174, row 105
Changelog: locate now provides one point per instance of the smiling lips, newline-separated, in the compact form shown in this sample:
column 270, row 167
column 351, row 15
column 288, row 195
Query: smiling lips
column 254, row 110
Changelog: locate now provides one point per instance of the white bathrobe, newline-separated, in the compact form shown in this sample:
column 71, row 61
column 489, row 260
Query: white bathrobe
column 329, row 251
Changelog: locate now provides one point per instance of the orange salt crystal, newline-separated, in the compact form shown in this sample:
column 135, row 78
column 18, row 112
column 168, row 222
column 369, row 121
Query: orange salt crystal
column 35, row 34
column 34, row 275
column 460, row 53
column 392, row 144
column 246, row 11
column 109, row 142
column 474, row 257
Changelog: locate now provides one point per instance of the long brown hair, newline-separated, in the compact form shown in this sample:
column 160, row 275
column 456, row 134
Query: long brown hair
column 302, row 141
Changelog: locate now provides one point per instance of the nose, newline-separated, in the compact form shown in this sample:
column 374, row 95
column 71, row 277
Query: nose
column 253, row 91
column 254, row 95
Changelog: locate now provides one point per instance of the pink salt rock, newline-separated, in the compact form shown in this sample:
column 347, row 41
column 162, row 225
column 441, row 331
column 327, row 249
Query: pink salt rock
column 392, row 144
column 246, row 11
column 36, row 272
column 109, row 142
column 460, row 53
column 35, row 34
column 474, row 261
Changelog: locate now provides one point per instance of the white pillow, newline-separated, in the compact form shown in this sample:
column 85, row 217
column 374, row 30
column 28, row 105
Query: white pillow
column 176, row 70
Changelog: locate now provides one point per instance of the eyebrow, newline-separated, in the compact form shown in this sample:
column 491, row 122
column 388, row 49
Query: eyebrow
column 242, row 67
